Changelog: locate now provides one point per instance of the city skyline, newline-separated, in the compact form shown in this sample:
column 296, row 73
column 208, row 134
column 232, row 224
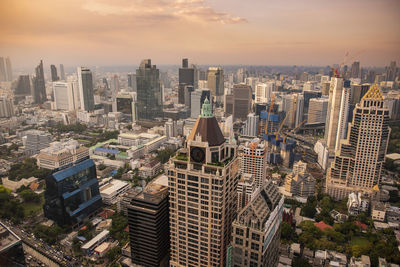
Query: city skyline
column 122, row 32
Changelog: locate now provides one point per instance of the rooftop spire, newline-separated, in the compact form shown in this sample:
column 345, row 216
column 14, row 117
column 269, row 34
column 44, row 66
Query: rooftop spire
column 374, row 93
column 206, row 110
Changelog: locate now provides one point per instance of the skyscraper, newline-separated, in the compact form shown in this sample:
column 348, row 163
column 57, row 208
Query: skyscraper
column 241, row 101
column 85, row 83
column 132, row 82
column 186, row 78
column 264, row 92
column 332, row 118
column 359, row 161
column 126, row 105
column 149, row 93
column 39, row 86
column 9, row 70
column 215, row 82
column 254, row 161
column 391, row 71
column 202, row 185
column 65, row 95
column 23, row 87
column 257, row 229
column 72, row 194
column 294, row 106
column 6, row 107
column 114, row 83
column 245, row 190
column 317, row 110
column 343, row 116
column 62, row 72
column 54, row 76
column 3, row 72
column 148, row 214
column 250, row 127
column 355, row 70
column 197, row 99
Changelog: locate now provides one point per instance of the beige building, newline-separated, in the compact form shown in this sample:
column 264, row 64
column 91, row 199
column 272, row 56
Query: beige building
column 358, row 162
column 378, row 211
column 253, row 160
column 299, row 182
column 257, row 228
column 317, row 110
column 202, row 190
column 245, row 190
column 60, row 154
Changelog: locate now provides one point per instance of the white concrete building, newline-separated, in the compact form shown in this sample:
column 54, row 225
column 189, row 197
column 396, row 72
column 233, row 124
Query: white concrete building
column 110, row 192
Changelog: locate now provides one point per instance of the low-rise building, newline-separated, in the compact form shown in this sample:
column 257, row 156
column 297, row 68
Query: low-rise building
column 150, row 169
column 111, row 191
column 299, row 182
column 357, row 203
column 88, row 248
column 363, row 261
column 102, row 249
column 15, row 185
column 378, row 211
column 393, row 214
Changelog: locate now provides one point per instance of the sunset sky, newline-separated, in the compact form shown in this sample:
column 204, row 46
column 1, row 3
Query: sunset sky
column 258, row 32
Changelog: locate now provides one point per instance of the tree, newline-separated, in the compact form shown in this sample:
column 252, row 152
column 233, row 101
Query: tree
column 164, row 155
column 113, row 253
column 326, row 203
column 287, row 231
column 308, row 211
column 30, row 196
column 300, row 262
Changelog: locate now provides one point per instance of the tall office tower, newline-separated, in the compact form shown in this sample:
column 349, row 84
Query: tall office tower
column 202, row 186
column 197, row 100
column 253, row 161
column 125, row 103
column 65, row 95
column 9, row 70
column 307, row 96
column 148, row 214
column 343, row 116
column 36, row 141
column 317, row 110
column 6, row 107
column 186, row 78
column 170, row 128
column 294, row 106
column 358, row 163
column 391, row 71
column 114, row 82
column 228, row 105
column 85, row 83
column 62, row 72
column 184, row 94
column 215, row 82
column 3, row 72
column 39, row 85
column 325, row 88
column 355, row 70
column 132, row 82
column 245, row 190
column 72, row 194
column 332, row 118
column 54, row 76
column 251, row 125
column 240, row 75
column 23, row 87
column 257, row 229
column 264, row 92
column 149, row 93
column 11, row 249
column 241, row 101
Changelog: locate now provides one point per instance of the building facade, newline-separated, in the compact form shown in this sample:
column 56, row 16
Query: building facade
column 85, row 83
column 253, row 161
column 242, row 98
column 39, row 85
column 215, row 82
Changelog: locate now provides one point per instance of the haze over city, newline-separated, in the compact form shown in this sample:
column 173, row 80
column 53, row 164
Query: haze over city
column 109, row 32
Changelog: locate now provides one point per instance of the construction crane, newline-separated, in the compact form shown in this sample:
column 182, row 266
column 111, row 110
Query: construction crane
column 269, row 113
column 287, row 115
column 336, row 71
column 295, row 128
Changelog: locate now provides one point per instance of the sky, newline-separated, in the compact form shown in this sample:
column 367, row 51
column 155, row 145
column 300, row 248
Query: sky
column 220, row 32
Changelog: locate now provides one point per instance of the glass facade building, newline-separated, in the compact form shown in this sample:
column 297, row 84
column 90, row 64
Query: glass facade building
column 72, row 193
column 149, row 93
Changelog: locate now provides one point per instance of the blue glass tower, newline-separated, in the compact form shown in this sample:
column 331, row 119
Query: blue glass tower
column 72, row 193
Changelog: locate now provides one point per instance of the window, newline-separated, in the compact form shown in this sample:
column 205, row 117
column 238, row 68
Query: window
column 255, row 237
column 255, row 246
column 239, row 241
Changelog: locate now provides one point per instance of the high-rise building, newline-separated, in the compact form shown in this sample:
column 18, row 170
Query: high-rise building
column 245, row 190
column 85, row 83
column 215, row 82
column 114, row 83
column 343, row 116
column 6, row 107
column 293, row 105
column 202, row 189
column 187, row 77
column 308, row 95
column 264, row 92
column 391, row 71
column 72, row 194
column 241, row 101
column 39, row 85
column 36, row 141
column 332, row 117
column 54, row 76
column 359, row 161
column 355, row 70
column 253, row 161
column 148, row 214
column 325, row 88
column 62, row 72
column 132, row 82
column 149, row 93
column 317, row 110
column 3, row 72
column 23, row 87
column 257, row 229
column 126, row 104
column 9, row 76
column 170, row 128
column 65, row 95
column 197, row 100
column 250, row 127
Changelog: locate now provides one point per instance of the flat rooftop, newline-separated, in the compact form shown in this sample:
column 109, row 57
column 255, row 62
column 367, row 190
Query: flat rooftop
column 113, row 186
column 7, row 238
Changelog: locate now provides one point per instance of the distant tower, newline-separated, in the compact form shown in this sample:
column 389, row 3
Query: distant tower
column 149, row 93
column 215, row 81
column 254, row 161
column 187, row 82
column 114, row 85
column 85, row 83
column 241, row 101
column 197, row 100
column 359, row 161
column 245, row 190
column 9, row 70
column 355, row 70
column 54, row 76
column 3, row 72
column 23, row 87
column 39, row 86
column 62, row 72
